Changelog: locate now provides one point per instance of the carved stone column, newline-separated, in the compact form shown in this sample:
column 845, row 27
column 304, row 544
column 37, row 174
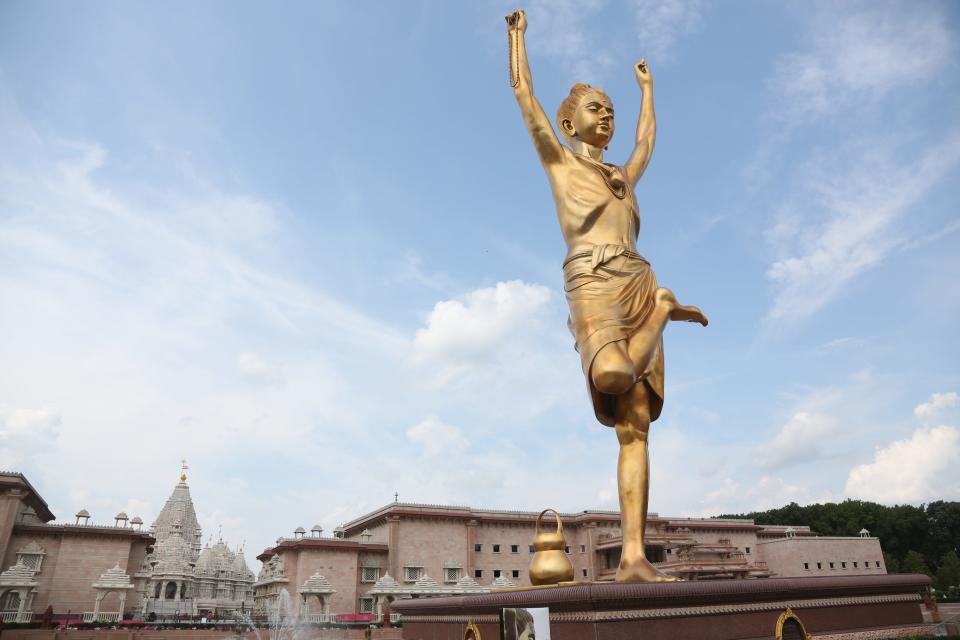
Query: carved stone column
column 393, row 546
column 471, row 540
column 591, row 528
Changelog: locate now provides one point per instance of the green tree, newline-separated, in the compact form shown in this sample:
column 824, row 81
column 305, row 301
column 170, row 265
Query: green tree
column 914, row 563
column 948, row 575
column 891, row 563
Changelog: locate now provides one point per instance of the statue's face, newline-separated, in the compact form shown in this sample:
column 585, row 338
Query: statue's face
column 593, row 120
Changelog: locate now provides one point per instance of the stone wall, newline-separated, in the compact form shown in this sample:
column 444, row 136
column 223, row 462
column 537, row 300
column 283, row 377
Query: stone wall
column 73, row 563
column 785, row 557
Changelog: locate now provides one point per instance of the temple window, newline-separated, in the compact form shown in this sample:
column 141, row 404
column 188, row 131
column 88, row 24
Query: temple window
column 878, row 563
column 831, row 565
column 412, row 573
column 366, row 605
column 478, row 573
column 11, row 601
column 532, row 549
column 566, row 549
column 806, row 566
column 451, row 574
column 369, row 574
column 496, row 548
column 515, row 573
column 843, row 565
column 854, row 564
column 477, row 548
column 31, row 556
column 584, row 573
column 514, row 548
column 748, row 549
column 819, row 566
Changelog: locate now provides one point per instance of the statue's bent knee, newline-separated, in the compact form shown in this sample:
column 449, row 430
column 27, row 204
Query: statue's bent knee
column 613, row 377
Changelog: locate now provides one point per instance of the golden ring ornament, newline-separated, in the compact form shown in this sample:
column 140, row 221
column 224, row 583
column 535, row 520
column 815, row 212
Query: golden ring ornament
column 472, row 632
column 790, row 627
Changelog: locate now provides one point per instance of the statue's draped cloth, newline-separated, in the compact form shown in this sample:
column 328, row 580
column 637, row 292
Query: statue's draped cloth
column 610, row 293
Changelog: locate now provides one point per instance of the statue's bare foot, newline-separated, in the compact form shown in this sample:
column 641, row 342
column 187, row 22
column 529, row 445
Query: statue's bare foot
column 640, row 570
column 677, row 311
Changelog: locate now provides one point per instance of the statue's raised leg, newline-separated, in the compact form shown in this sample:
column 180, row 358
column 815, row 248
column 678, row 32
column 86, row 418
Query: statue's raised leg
column 644, row 342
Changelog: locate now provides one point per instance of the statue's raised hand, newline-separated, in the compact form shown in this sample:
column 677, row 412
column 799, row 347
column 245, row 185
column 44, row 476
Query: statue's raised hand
column 644, row 79
column 517, row 21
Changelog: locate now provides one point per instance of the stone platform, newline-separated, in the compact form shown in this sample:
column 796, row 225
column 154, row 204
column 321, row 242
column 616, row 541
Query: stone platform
column 831, row 608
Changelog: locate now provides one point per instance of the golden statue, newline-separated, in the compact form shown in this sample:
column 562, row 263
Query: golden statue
column 617, row 311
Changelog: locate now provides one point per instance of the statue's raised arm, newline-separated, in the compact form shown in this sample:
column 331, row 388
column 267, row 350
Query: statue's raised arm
column 541, row 131
column 646, row 126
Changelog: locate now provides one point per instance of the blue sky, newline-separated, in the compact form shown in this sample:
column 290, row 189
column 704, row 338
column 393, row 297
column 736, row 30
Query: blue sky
column 310, row 249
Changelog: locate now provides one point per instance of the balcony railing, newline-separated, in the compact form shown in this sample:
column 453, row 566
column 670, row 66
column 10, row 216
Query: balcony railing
column 13, row 616
column 320, row 618
column 101, row 616
column 394, row 618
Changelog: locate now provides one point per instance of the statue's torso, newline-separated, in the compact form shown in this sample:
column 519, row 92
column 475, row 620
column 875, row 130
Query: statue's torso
column 595, row 204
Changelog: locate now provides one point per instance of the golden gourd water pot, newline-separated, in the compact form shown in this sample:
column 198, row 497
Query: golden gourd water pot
column 550, row 563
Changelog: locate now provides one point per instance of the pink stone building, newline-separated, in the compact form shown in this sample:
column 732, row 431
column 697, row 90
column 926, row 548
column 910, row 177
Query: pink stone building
column 82, row 568
column 413, row 550
column 99, row 572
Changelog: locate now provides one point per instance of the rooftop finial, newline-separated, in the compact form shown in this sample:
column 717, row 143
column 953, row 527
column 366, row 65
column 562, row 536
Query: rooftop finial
column 396, row 496
column 183, row 470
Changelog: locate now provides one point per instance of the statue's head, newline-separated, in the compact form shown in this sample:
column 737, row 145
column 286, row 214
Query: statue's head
column 586, row 114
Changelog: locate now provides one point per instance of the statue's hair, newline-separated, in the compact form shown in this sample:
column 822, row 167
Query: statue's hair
column 568, row 107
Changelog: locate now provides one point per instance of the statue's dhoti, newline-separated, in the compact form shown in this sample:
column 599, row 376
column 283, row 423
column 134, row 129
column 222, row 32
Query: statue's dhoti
column 610, row 293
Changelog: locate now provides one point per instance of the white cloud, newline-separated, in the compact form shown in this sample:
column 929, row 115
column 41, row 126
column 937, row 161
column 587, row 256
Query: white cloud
column 923, row 467
column 848, row 224
column 437, row 438
column 254, row 368
column 937, row 402
column 661, row 23
column 25, row 432
column 864, row 54
column 799, row 440
column 460, row 333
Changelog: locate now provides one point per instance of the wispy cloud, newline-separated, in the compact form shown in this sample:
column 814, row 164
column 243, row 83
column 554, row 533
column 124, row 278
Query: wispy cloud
column 853, row 201
column 859, row 55
column 662, row 24
column 560, row 29
column 850, row 194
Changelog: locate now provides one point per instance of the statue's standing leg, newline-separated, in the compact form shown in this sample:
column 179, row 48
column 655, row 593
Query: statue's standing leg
column 633, row 483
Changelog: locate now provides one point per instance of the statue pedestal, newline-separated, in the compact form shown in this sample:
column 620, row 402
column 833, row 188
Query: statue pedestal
column 851, row 608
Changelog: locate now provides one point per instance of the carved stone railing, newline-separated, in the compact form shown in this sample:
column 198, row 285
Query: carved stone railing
column 13, row 616
column 101, row 616
column 394, row 618
column 319, row 618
